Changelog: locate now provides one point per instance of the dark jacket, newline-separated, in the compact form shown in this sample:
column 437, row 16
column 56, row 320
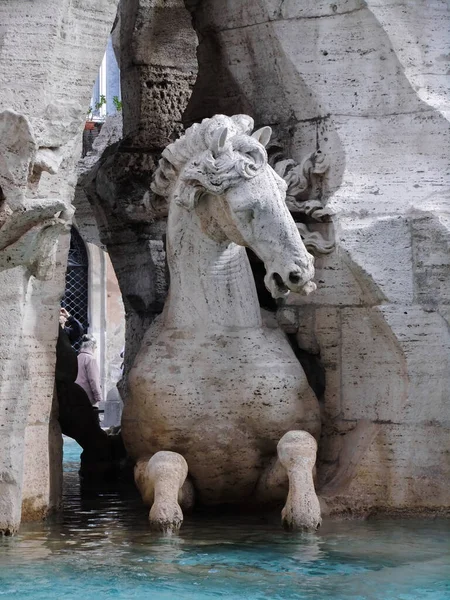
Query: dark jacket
column 66, row 359
column 74, row 329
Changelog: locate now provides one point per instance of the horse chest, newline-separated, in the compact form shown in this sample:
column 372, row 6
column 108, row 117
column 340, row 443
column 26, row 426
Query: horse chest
column 188, row 384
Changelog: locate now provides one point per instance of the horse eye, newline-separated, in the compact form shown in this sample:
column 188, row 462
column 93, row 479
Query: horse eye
column 243, row 208
column 246, row 214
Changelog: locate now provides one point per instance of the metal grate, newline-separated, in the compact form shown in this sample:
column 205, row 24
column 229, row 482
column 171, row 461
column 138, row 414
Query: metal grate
column 76, row 293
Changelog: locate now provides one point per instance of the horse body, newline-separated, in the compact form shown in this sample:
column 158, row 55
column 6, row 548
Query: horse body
column 220, row 395
column 212, row 386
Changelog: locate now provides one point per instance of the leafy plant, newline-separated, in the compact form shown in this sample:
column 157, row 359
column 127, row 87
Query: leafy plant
column 89, row 114
column 100, row 103
column 117, row 103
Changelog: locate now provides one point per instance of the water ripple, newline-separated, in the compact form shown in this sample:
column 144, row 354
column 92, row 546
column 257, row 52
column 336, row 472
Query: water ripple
column 100, row 548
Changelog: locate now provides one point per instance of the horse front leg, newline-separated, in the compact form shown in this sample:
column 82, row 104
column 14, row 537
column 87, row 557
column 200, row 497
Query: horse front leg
column 297, row 453
column 291, row 473
column 163, row 484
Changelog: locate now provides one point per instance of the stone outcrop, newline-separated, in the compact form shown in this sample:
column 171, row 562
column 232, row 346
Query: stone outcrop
column 29, row 232
column 363, row 83
column 49, row 56
column 155, row 46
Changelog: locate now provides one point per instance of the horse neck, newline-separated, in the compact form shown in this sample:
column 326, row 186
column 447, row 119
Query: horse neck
column 211, row 283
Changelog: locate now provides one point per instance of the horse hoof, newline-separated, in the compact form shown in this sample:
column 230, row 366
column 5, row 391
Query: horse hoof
column 166, row 518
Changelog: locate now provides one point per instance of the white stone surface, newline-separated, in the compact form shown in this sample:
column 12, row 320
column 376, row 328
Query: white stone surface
column 49, row 56
column 210, row 381
column 424, row 63
column 367, row 84
column 364, row 82
column 160, row 481
column 297, row 453
column 155, row 44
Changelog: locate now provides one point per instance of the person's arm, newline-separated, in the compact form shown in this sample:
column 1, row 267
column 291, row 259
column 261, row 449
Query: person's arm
column 74, row 329
column 93, row 376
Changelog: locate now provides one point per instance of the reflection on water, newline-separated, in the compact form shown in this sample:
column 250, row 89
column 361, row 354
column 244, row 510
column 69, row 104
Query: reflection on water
column 100, row 548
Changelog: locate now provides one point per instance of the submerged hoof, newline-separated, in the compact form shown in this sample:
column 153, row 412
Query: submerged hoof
column 166, row 518
column 299, row 522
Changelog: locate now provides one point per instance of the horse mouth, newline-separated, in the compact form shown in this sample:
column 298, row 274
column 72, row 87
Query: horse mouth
column 281, row 286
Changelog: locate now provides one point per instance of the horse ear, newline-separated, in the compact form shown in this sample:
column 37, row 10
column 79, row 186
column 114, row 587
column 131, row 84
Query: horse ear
column 219, row 141
column 263, row 135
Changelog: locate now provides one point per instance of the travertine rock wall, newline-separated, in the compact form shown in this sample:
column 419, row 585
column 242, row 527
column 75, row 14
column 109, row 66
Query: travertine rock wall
column 155, row 45
column 364, row 83
column 49, row 56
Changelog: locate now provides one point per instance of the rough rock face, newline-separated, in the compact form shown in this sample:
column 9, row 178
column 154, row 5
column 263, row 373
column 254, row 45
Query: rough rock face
column 49, row 56
column 155, row 46
column 364, row 83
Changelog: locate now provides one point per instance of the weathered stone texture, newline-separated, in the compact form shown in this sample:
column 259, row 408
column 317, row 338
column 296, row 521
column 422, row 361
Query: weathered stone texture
column 105, row 305
column 158, row 69
column 155, row 44
column 365, row 83
column 49, row 56
column 210, row 379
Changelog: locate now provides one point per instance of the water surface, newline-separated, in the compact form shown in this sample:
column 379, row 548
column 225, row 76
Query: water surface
column 100, row 548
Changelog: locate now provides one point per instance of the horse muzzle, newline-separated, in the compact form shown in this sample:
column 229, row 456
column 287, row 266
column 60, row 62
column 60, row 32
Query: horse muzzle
column 296, row 280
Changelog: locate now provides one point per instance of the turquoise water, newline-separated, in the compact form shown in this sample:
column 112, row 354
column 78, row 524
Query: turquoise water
column 100, row 548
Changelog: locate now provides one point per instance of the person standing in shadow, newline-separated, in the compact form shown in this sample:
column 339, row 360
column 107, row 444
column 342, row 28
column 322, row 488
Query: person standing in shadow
column 78, row 419
column 88, row 372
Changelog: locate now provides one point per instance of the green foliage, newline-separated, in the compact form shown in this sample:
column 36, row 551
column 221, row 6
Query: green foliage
column 117, row 103
column 100, row 103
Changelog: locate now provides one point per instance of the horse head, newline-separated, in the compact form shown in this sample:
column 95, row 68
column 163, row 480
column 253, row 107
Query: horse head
column 221, row 171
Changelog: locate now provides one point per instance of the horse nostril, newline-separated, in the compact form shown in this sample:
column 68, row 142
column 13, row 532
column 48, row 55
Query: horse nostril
column 294, row 277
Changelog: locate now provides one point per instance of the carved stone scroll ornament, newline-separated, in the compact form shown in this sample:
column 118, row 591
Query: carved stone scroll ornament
column 304, row 196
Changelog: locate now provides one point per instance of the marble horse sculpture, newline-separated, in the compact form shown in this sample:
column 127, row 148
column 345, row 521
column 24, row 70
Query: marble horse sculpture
column 219, row 408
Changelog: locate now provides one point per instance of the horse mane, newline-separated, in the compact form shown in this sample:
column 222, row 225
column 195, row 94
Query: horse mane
column 196, row 140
